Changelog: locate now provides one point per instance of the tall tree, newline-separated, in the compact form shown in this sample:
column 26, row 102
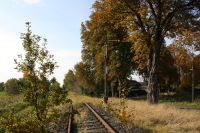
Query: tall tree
column 96, row 33
column 155, row 20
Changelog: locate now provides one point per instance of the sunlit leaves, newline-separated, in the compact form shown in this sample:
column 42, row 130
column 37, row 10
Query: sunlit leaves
column 37, row 65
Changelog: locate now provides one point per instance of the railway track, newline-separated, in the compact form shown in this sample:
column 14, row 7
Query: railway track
column 96, row 121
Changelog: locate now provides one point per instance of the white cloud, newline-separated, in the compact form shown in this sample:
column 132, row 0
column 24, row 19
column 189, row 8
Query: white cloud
column 32, row 2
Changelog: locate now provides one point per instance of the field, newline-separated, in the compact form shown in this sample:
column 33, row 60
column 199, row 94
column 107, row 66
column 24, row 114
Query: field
column 164, row 117
column 156, row 118
column 17, row 116
column 178, row 99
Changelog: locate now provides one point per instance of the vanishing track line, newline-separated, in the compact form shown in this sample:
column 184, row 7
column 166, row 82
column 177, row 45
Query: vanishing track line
column 96, row 121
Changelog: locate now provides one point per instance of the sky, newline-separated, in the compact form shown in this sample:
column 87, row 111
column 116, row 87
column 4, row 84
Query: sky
column 57, row 20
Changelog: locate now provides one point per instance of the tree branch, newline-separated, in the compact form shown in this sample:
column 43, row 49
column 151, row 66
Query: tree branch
column 152, row 9
column 139, row 20
column 171, row 14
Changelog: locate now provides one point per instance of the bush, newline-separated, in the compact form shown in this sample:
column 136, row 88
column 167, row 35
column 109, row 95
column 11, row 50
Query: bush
column 2, row 86
column 12, row 86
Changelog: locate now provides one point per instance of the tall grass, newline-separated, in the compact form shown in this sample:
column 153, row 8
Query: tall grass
column 159, row 118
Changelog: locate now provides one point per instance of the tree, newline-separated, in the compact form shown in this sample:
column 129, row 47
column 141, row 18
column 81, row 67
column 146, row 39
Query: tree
column 70, row 81
column 155, row 20
column 190, row 40
column 2, row 86
column 37, row 65
column 57, row 94
column 23, row 83
column 168, row 74
column 98, row 32
column 139, row 58
column 197, row 69
column 12, row 86
column 182, row 62
column 85, row 78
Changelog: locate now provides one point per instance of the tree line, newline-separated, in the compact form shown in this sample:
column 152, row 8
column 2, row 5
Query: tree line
column 141, row 28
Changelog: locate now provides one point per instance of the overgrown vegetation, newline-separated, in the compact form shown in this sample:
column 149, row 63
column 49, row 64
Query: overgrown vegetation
column 43, row 99
column 156, row 118
column 136, row 34
column 18, row 116
column 12, row 87
column 121, row 38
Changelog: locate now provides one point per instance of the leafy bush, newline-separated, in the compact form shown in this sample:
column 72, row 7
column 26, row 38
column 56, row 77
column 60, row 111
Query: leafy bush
column 2, row 86
column 12, row 86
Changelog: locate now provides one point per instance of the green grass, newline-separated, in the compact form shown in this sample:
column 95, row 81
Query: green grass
column 18, row 115
column 179, row 99
column 3, row 94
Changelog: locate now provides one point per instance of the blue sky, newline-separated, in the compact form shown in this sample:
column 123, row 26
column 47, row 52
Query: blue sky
column 57, row 20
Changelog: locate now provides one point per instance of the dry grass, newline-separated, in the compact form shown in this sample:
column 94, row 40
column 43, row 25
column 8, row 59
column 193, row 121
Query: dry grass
column 77, row 99
column 159, row 118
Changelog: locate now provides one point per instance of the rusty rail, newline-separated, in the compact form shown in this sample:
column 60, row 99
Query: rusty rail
column 103, row 122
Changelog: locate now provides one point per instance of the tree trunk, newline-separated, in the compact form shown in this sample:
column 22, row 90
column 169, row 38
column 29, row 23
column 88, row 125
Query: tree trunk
column 119, row 87
column 112, row 91
column 167, row 85
column 113, row 85
column 153, row 83
column 192, row 79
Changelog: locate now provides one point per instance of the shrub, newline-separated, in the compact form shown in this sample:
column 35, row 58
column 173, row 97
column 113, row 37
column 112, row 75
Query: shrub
column 2, row 86
column 12, row 86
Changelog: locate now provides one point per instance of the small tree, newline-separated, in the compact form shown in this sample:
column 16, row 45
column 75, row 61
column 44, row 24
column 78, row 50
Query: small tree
column 37, row 65
column 12, row 86
column 58, row 93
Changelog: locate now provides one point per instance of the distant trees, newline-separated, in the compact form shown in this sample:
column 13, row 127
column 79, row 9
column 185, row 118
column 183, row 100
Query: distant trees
column 85, row 78
column 2, row 86
column 70, row 82
column 57, row 93
column 12, row 86
column 190, row 40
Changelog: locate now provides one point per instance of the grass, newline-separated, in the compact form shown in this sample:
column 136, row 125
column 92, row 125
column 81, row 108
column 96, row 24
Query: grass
column 159, row 118
column 2, row 94
column 180, row 99
column 164, row 117
column 77, row 99
column 177, row 99
column 17, row 114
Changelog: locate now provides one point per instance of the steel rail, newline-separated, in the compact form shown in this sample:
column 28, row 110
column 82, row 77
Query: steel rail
column 103, row 122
